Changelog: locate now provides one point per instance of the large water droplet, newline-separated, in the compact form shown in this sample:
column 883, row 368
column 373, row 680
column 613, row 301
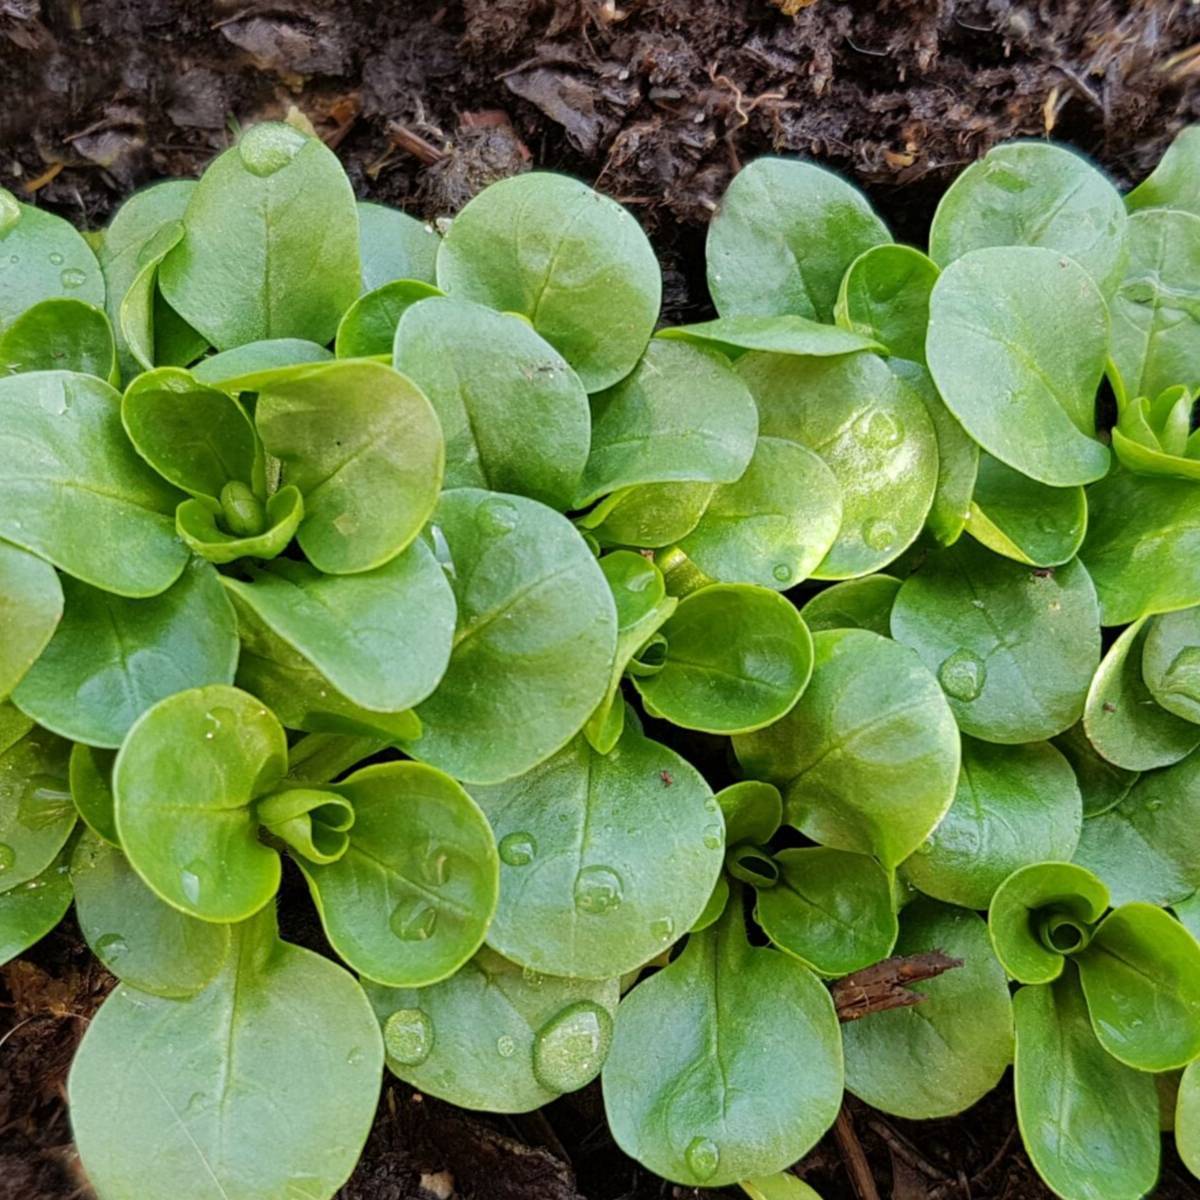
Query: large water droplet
column 265, row 149
column 497, row 517
column 963, row 675
column 413, row 920
column 518, row 849
column 10, row 211
column 191, row 880
column 8, row 856
column 56, row 259
column 598, row 890
column 570, row 1049
column 702, row 1157
column 663, row 929
column 435, row 866
column 714, row 837
column 879, row 534
column 782, row 572
column 72, row 278
column 506, row 1046
column 408, row 1037
column 878, row 430
column 111, row 946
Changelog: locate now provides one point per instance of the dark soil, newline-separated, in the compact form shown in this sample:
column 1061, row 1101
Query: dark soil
column 656, row 102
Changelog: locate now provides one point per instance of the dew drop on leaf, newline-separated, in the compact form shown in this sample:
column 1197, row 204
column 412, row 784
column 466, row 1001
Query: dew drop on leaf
column 267, row 148
column 435, row 867
column 189, row 881
column 714, row 837
column 702, row 1157
column 663, row 929
column 8, row 857
column 878, row 430
column 570, row 1049
column 518, row 848
column 963, row 675
column 354, row 1057
column 497, row 517
column 879, row 534
column 111, row 946
column 73, row 278
column 408, row 1037
column 413, row 920
column 532, row 978
column 56, row 258
column 598, row 890
column 506, row 1047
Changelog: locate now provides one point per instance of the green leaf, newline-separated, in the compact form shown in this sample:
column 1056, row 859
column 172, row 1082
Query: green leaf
column 864, row 603
column 322, row 757
column 1187, row 1119
column 737, row 658
column 1015, row 805
column 363, row 445
column 257, row 365
column 535, row 641
column 571, row 260
column 73, row 491
column 368, row 327
column 60, row 334
column 1024, row 520
column 513, row 413
column 1070, row 897
column 410, row 900
column 693, row 1045
column 90, row 775
column 869, row 757
column 31, row 605
column 312, row 823
column 782, row 333
column 271, row 243
column 1122, row 718
column 111, row 659
column 783, row 237
column 1171, row 662
column 681, row 415
column 1153, row 435
column 831, row 909
column 775, row 525
column 392, row 245
column 14, row 725
column 651, row 515
column 496, row 1037
column 382, row 638
column 937, row 1057
column 36, row 813
column 874, row 435
column 1017, row 343
column 606, row 859
column 1156, row 311
column 783, row 1186
column 1013, row 649
column 1034, row 194
column 41, row 256
column 144, row 942
column 753, row 811
column 187, row 1078
column 201, row 531
column 884, row 295
column 1089, row 1123
column 32, row 909
column 184, row 783
column 1148, row 846
column 1101, row 784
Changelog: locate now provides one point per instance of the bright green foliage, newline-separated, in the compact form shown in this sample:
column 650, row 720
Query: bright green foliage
column 1155, row 436
column 1171, row 662
column 60, row 334
column 885, row 295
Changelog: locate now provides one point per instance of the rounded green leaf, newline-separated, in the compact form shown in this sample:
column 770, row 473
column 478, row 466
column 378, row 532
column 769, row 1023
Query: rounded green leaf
column 1155, row 318
column 1187, row 1119
column 534, row 644
column 61, row 334
column 1034, row 194
column 939, row 1056
column 84, row 500
column 884, row 295
column 1053, row 888
column 31, row 605
column 1122, row 718
column 753, row 811
column 864, row 603
column 1014, row 806
column 90, row 774
column 681, row 415
column 783, row 237
column 781, row 1186
column 257, row 365
column 873, row 432
column 496, row 1037
column 143, row 941
column 392, row 245
column 1141, row 978
column 111, row 658
column 513, row 413
column 36, row 812
column 198, row 526
column 605, row 859
column 410, row 900
column 783, row 333
column 683, row 1084
column 29, row 911
column 1017, row 342
column 271, row 243
column 369, row 325
column 363, row 445
column 42, row 256
column 1024, row 520
column 1089, row 1123
column 1101, row 784
column 179, row 1097
column 869, row 757
column 775, row 525
column 1013, row 649
column 831, row 909
column 1171, row 663
column 571, row 260
column 650, row 515
column 737, row 658
column 184, row 784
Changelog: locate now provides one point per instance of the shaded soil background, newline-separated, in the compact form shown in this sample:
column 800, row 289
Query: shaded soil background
column 656, row 102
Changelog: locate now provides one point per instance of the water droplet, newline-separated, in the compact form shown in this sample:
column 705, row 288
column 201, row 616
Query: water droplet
column 598, row 890
column 194, row 1103
column 10, row 211
column 506, row 1047
column 265, row 149
column 532, row 978
column 497, row 517
column 1138, row 291
column 14, row 258
column 111, row 946
column 408, row 1037
column 879, row 534
column 926, row 847
column 355, row 1057
column 413, row 920
column 190, row 880
column 639, row 582
column 878, row 430
column 1154, row 803
column 73, row 277
column 663, row 929
column 56, row 258
column 963, row 675
column 702, row 1157
column 782, row 572
column 714, row 837
column 1006, row 178
column 570, row 1049
column 517, row 849
column 435, row 866
column 8, row 856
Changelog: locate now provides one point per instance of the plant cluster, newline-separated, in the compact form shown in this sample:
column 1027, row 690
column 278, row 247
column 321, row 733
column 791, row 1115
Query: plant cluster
column 400, row 554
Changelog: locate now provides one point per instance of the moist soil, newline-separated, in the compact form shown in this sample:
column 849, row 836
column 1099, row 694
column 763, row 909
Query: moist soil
column 656, row 102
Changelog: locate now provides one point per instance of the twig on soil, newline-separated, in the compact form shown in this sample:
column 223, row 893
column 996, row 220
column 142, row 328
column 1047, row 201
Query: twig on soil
column 405, row 139
column 884, row 985
column 901, row 1148
column 853, row 1156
